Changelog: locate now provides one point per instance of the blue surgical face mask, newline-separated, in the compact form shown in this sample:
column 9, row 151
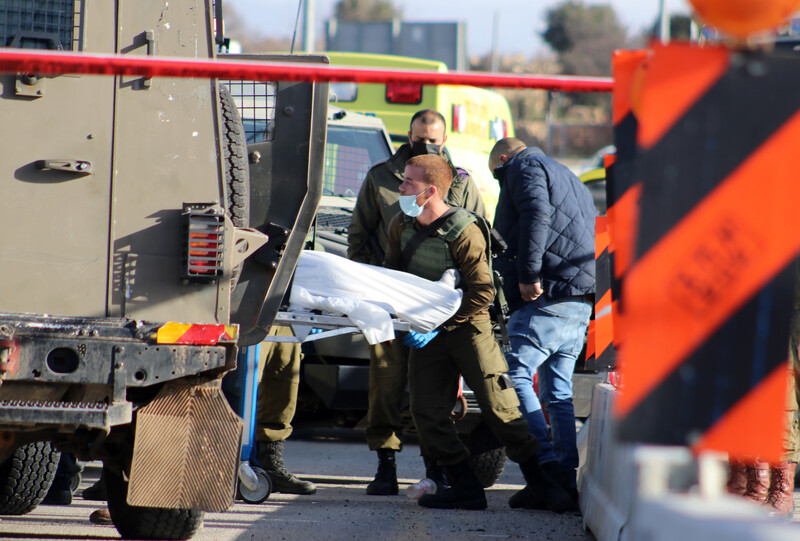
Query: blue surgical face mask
column 408, row 204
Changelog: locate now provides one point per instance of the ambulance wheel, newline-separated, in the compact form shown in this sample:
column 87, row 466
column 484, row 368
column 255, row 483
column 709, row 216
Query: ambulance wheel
column 262, row 491
column 26, row 477
column 147, row 522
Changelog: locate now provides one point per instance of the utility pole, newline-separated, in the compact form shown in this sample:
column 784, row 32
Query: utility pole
column 308, row 26
column 663, row 33
column 495, row 59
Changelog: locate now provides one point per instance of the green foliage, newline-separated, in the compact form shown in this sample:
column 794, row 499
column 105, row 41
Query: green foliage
column 680, row 27
column 584, row 36
column 367, row 10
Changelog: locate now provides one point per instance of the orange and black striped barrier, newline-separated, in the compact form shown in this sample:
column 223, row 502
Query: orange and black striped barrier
column 614, row 233
column 601, row 332
column 708, row 295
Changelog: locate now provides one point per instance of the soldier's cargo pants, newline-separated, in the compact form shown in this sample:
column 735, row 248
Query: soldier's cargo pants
column 278, row 382
column 388, row 374
column 471, row 350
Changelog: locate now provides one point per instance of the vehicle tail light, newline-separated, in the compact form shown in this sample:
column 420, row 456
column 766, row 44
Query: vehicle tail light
column 404, row 93
column 459, row 124
column 205, row 235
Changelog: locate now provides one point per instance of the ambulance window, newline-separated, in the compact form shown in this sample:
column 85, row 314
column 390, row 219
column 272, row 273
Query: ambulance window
column 342, row 92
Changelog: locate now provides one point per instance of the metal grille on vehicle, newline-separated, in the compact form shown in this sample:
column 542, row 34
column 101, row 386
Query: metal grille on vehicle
column 333, row 219
column 256, row 104
column 40, row 24
column 345, row 169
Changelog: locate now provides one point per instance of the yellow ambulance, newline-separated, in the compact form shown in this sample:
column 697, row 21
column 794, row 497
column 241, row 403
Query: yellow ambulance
column 476, row 118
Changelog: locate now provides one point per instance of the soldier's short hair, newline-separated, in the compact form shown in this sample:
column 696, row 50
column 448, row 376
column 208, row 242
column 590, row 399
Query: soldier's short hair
column 428, row 116
column 436, row 171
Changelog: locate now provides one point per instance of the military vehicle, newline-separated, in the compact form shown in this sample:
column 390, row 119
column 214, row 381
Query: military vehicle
column 137, row 254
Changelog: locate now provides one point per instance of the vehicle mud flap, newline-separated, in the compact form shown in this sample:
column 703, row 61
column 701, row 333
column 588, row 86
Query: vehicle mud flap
column 186, row 449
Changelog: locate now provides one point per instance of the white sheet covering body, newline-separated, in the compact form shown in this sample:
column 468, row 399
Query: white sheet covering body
column 368, row 295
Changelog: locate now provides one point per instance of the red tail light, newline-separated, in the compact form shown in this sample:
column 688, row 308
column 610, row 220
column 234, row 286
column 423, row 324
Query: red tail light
column 404, row 93
column 459, row 123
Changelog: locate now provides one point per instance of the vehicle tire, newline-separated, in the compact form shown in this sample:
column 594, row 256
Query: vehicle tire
column 487, row 455
column 261, row 493
column 26, row 477
column 147, row 522
column 237, row 171
column 489, row 465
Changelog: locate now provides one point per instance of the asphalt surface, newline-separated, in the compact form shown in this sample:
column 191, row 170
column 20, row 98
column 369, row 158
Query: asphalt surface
column 341, row 466
column 339, row 462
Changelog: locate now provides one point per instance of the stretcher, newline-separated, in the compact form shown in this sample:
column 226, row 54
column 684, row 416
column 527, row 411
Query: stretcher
column 309, row 327
column 331, row 296
column 241, row 389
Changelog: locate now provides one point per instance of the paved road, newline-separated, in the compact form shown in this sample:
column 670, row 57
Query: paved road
column 341, row 465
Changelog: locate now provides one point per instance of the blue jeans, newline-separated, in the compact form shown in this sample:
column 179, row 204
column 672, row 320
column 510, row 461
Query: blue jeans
column 547, row 336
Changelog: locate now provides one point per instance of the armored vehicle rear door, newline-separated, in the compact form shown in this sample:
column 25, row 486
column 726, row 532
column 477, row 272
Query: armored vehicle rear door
column 56, row 164
column 285, row 125
column 166, row 153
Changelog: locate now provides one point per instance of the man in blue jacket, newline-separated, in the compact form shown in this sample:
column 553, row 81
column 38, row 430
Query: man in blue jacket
column 546, row 216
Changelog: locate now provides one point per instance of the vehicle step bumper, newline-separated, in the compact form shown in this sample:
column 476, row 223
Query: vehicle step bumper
column 83, row 414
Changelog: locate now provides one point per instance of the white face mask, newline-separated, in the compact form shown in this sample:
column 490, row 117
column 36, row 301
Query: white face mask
column 408, row 204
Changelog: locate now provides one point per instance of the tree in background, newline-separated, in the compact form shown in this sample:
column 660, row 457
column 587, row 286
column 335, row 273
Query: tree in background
column 367, row 10
column 680, row 27
column 584, row 36
column 252, row 42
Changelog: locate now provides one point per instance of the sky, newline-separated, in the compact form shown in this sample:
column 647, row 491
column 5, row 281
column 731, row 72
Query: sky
column 520, row 21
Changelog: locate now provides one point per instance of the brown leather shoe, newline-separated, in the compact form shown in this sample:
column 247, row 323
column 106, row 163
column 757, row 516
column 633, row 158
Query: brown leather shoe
column 781, row 489
column 101, row 517
column 737, row 478
column 757, row 482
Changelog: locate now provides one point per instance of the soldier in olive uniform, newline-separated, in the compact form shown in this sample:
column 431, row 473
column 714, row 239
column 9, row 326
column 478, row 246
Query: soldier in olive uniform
column 465, row 344
column 376, row 205
column 278, row 382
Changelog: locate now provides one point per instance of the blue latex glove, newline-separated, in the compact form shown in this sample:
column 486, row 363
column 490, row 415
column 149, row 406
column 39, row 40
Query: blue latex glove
column 419, row 340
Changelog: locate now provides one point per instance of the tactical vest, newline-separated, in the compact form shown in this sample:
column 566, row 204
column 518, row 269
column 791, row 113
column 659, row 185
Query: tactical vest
column 432, row 257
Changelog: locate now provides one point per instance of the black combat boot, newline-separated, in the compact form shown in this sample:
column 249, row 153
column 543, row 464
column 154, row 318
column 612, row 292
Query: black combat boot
column 60, row 492
column 385, row 482
column 465, row 492
column 270, row 454
column 97, row 491
column 435, row 473
column 542, row 490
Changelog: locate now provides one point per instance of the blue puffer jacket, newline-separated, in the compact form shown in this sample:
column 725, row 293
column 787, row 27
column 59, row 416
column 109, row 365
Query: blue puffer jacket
column 546, row 215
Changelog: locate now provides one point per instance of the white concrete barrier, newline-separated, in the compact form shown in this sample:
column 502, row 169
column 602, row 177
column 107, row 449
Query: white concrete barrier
column 636, row 492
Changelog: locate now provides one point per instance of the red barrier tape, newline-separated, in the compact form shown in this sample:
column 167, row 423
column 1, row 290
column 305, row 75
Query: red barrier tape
column 54, row 63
